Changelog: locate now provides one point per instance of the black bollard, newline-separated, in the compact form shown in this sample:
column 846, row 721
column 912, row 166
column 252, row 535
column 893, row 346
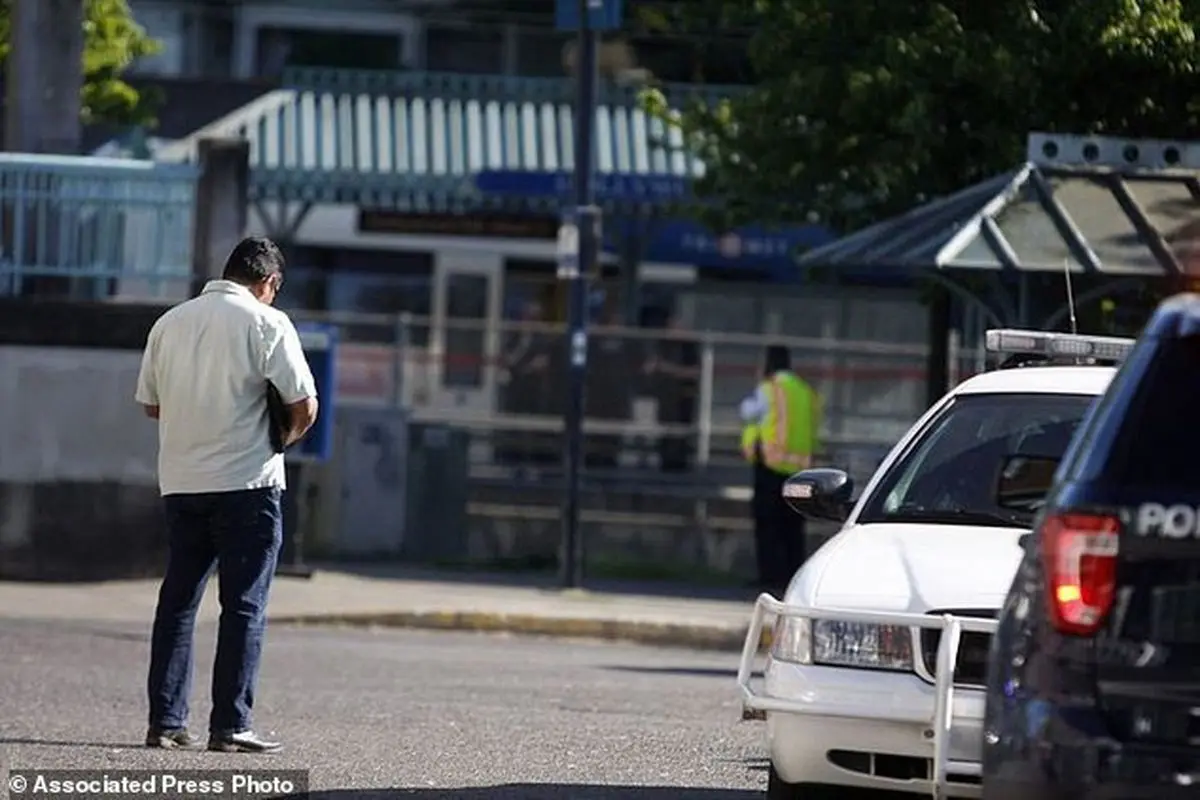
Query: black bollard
column 291, row 559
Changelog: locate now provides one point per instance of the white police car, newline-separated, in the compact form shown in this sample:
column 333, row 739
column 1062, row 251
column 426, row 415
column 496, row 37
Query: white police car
column 857, row 688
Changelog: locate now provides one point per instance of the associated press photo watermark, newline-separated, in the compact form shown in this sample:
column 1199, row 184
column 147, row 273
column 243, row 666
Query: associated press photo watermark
column 207, row 784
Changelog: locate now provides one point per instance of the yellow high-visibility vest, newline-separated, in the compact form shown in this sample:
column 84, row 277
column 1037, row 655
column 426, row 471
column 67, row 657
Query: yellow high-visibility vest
column 786, row 436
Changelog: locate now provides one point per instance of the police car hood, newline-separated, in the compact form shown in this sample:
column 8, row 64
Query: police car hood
column 912, row 568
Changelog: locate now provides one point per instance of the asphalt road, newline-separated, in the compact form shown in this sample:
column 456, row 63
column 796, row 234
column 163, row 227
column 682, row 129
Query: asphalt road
column 435, row 716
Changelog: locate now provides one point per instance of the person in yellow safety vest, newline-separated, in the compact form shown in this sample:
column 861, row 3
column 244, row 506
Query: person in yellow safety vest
column 782, row 419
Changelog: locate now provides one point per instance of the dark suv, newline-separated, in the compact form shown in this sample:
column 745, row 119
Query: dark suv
column 1093, row 689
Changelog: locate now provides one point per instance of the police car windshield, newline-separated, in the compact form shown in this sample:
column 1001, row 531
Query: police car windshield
column 948, row 475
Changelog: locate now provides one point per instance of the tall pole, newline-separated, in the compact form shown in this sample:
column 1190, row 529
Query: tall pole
column 586, row 239
column 45, row 77
column 23, row 115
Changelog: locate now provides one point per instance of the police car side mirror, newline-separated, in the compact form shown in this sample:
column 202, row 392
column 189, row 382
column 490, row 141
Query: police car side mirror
column 822, row 493
column 1024, row 481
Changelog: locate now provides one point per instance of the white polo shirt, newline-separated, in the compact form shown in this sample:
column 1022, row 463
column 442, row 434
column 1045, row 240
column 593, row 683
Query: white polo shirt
column 206, row 366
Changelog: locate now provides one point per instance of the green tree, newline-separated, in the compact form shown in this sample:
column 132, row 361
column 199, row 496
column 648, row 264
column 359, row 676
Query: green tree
column 864, row 108
column 112, row 41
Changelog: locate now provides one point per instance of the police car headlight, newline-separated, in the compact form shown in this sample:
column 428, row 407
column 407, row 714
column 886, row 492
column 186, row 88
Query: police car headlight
column 861, row 644
column 792, row 640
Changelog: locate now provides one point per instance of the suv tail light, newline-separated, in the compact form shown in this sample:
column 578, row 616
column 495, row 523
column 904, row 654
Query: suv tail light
column 1080, row 553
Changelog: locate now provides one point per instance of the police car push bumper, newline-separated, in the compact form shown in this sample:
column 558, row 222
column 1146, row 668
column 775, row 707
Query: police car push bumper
column 938, row 715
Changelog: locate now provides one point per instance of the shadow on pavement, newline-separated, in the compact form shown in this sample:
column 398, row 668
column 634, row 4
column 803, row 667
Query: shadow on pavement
column 541, row 791
column 63, row 743
column 699, row 672
column 751, row 764
column 546, row 581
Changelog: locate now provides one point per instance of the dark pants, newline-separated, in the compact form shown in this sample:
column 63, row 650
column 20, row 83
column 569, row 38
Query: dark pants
column 674, row 451
column 240, row 533
column 778, row 531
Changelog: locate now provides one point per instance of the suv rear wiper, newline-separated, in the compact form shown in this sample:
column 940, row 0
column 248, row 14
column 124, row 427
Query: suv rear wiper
column 957, row 516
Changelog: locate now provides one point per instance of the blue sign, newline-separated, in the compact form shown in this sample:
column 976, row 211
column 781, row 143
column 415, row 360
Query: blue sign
column 320, row 348
column 630, row 187
column 671, row 241
column 750, row 247
column 603, row 15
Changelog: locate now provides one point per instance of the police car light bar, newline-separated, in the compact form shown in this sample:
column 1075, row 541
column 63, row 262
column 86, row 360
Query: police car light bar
column 1061, row 345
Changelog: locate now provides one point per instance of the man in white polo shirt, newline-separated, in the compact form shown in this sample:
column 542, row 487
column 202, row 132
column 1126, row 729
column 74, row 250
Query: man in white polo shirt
column 204, row 377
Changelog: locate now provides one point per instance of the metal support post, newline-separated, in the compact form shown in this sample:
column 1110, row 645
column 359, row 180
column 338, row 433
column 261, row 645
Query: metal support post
column 299, row 510
column 705, row 421
column 577, row 267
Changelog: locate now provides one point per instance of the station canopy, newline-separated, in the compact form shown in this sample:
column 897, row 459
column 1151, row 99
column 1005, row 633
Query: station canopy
column 1125, row 208
column 420, row 142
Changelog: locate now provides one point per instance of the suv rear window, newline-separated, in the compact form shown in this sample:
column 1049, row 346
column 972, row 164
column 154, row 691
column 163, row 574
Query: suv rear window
column 1158, row 445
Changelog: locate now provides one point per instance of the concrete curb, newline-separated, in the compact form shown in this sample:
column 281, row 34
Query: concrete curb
column 684, row 635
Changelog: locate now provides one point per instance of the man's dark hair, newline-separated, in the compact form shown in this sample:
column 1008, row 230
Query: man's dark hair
column 255, row 259
column 778, row 358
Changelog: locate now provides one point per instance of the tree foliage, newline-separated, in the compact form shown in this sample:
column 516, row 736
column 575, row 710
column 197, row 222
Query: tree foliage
column 112, row 41
column 864, row 108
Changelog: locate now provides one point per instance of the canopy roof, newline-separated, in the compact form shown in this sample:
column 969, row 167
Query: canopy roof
column 1040, row 218
column 416, row 141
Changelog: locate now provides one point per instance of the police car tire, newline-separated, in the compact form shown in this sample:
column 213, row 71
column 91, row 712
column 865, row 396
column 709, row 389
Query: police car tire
column 778, row 789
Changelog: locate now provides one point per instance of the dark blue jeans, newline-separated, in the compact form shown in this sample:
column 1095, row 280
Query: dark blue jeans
column 239, row 533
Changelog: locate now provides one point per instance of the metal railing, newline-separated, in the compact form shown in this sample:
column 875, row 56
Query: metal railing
column 93, row 227
column 508, row 377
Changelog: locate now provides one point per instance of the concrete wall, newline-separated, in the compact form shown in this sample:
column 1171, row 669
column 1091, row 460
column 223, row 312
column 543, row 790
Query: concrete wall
column 78, row 488
column 70, row 416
